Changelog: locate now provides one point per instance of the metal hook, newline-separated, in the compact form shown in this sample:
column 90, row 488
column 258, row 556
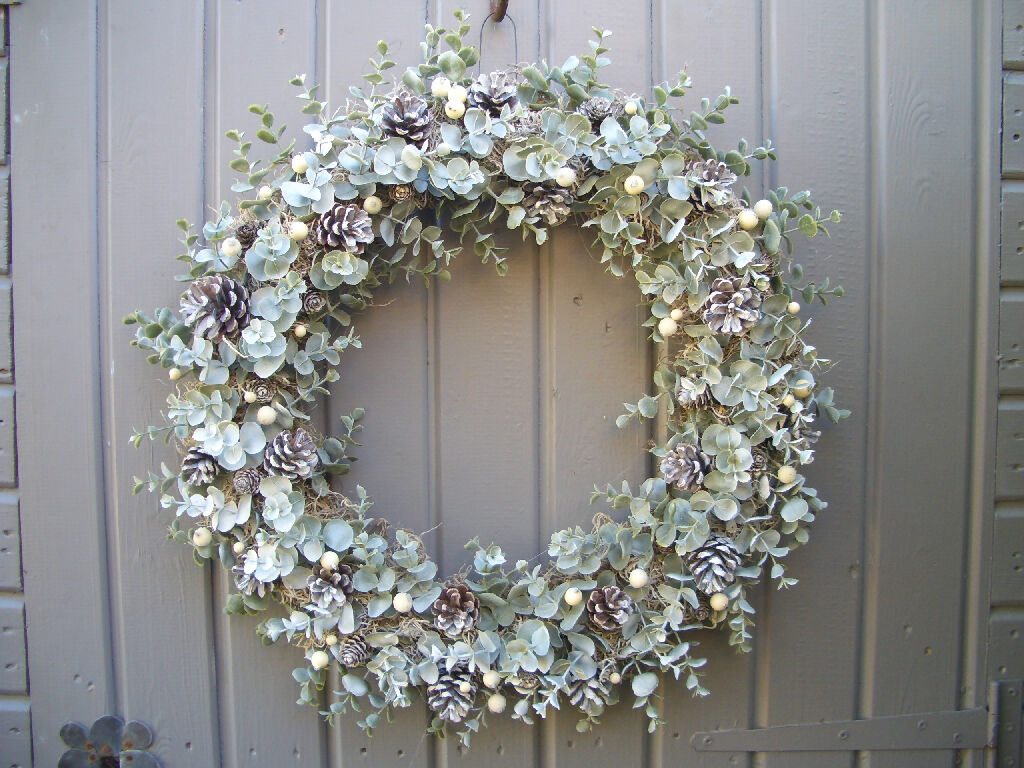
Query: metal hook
column 499, row 12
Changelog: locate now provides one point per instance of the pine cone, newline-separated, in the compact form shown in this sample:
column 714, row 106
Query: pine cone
column 198, row 468
column 456, row 610
column 248, row 584
column 247, row 481
column 291, row 454
column 597, row 109
column 685, row 467
column 354, row 651
column 760, row 464
column 215, row 307
column 447, row 696
column 714, row 564
column 547, row 201
column 712, row 181
column 609, row 608
column 327, row 588
column 246, row 233
column 345, row 226
column 589, row 696
column 313, row 301
column 732, row 307
column 400, row 193
column 492, row 92
column 407, row 117
column 263, row 390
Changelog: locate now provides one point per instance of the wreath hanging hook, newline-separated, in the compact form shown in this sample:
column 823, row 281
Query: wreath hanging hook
column 499, row 12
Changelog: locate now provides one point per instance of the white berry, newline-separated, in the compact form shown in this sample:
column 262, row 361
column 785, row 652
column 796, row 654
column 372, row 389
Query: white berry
column 667, row 327
column 298, row 231
column 231, row 247
column 802, row 389
column 454, row 109
column 329, row 561
column 403, row 602
column 238, row 547
column 174, row 374
column 412, row 158
column 492, row 679
column 440, row 87
column 331, row 639
column 573, row 596
column 266, row 415
column 319, row 659
column 676, row 314
column 786, row 474
column 719, row 601
column 373, row 204
column 299, row 164
column 630, row 107
column 202, row 537
column 634, row 185
column 789, row 401
column 442, row 149
column 249, row 397
column 300, row 331
column 614, row 678
column 748, row 219
column 565, row 176
column 458, row 93
column 763, row 209
column 638, row 578
column 496, row 703
column 465, row 686
column 265, row 192
column 793, row 307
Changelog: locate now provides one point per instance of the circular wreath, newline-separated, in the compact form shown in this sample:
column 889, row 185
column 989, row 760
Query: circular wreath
column 268, row 312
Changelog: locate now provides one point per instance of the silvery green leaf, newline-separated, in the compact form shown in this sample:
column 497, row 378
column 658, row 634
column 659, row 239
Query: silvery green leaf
column 378, row 604
column 354, row 684
column 338, row 535
column 644, row 684
column 793, row 510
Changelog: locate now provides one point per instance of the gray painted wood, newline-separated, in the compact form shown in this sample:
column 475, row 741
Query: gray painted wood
column 1013, row 34
column 1011, row 341
column 1008, row 555
column 10, row 543
column 1012, row 242
column 1013, row 123
column 1009, row 461
column 507, row 389
column 13, row 662
column 15, row 733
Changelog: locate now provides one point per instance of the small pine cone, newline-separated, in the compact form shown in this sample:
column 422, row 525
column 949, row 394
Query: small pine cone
column 685, row 467
column 246, row 234
column 313, row 301
column 609, row 608
column 597, row 109
column 711, row 172
column 714, row 564
column 696, row 615
column 524, row 683
column 248, row 584
column 291, row 454
column 198, row 468
column 589, row 696
column 247, row 481
column 760, row 464
column 447, row 696
column 215, row 307
column 354, row 651
column 548, row 202
column 345, row 226
column 456, row 610
column 400, row 193
column 330, row 588
column 691, row 395
column 263, row 390
column 732, row 307
column 407, row 117
column 494, row 91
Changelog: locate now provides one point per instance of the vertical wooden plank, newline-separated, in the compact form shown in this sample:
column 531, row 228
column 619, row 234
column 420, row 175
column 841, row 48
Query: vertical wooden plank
column 285, row 38
column 13, row 661
column 10, row 543
column 690, row 38
column 1013, row 123
column 77, row 679
column 1011, row 245
column 916, row 531
column 1011, row 341
column 808, row 634
column 390, row 376
column 151, row 155
column 599, row 358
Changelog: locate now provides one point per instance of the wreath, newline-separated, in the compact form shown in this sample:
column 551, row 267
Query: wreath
column 268, row 312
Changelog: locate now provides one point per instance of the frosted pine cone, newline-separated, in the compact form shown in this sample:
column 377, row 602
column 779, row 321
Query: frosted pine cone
column 494, row 91
column 712, row 181
column 456, row 610
column 407, row 117
column 548, row 202
column 609, row 608
column 330, row 588
column 400, row 193
column 215, row 307
column 291, row 454
column 354, row 651
column 247, row 481
column 732, row 306
column 313, row 301
column 346, row 226
column 451, row 697
column 713, row 564
column 596, row 109
column 198, row 468
column 246, row 234
column 590, row 696
column 263, row 390
column 685, row 467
